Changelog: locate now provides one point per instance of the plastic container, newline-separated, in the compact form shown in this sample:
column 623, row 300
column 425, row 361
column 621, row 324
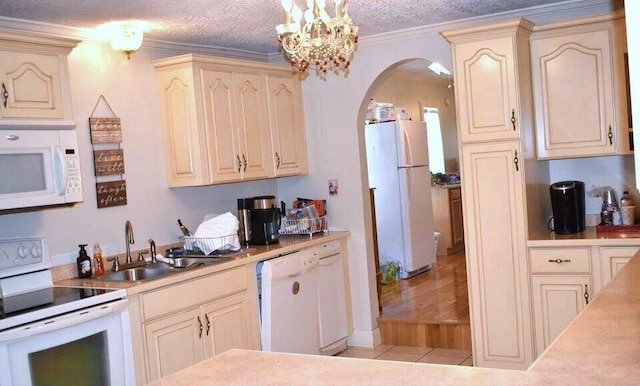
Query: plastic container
column 626, row 200
column 83, row 262
column 98, row 263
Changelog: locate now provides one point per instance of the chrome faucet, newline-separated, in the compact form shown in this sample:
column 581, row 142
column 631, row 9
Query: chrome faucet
column 128, row 239
column 152, row 245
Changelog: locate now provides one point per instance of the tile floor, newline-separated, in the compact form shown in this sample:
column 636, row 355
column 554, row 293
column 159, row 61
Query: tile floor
column 440, row 356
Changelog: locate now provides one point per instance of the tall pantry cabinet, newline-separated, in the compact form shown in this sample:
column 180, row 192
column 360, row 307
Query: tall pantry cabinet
column 495, row 118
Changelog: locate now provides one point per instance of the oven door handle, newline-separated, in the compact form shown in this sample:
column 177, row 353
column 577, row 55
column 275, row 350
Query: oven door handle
column 64, row 321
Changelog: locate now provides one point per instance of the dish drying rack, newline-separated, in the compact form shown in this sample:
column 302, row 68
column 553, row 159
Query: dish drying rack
column 304, row 226
column 209, row 245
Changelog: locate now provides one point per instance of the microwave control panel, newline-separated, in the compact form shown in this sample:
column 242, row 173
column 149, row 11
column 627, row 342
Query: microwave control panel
column 74, row 180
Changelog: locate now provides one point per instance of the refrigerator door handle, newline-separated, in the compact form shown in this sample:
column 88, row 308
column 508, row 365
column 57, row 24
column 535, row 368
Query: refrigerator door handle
column 407, row 147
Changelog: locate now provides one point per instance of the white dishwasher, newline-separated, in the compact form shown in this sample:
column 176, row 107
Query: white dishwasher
column 332, row 299
column 289, row 299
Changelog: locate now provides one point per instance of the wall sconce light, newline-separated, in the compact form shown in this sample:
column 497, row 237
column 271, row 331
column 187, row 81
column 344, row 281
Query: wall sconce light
column 126, row 36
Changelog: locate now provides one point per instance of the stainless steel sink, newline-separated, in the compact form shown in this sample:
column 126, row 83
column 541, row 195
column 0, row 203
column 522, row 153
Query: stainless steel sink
column 137, row 274
column 193, row 262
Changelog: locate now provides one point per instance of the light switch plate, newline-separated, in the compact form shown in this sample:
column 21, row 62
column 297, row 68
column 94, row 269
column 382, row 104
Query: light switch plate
column 333, row 187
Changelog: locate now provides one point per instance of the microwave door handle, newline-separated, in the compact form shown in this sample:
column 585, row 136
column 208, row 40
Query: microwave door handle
column 60, row 177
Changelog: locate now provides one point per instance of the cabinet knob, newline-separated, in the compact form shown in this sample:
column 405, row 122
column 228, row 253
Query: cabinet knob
column 513, row 119
column 515, row 160
column 610, row 135
column 586, row 293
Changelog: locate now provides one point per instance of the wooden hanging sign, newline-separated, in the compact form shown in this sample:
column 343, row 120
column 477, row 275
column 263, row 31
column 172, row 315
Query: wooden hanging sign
column 108, row 162
column 112, row 193
column 105, row 130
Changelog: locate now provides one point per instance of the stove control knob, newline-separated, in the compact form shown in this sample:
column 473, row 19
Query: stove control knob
column 36, row 251
column 22, row 252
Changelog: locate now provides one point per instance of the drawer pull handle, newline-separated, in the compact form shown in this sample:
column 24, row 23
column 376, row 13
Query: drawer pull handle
column 513, row 119
column 208, row 323
column 560, row 261
column 5, row 95
column 610, row 136
column 200, row 327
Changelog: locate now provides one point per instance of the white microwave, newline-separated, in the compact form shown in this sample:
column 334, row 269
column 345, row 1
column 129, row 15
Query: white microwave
column 39, row 168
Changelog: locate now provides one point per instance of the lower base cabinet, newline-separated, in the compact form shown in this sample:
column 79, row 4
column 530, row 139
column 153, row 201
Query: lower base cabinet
column 180, row 325
column 184, row 339
column 557, row 300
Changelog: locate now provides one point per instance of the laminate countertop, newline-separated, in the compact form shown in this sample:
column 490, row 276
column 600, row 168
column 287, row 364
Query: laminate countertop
column 600, row 347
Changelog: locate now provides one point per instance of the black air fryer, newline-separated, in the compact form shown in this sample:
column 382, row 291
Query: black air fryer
column 567, row 203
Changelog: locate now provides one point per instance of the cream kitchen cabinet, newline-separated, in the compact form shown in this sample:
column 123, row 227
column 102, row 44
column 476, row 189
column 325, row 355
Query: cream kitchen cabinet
column 219, row 117
column 287, row 125
column 185, row 323
column 34, row 81
column 561, row 285
column 612, row 259
column 495, row 117
column 447, row 218
column 495, row 242
column 491, row 73
column 579, row 88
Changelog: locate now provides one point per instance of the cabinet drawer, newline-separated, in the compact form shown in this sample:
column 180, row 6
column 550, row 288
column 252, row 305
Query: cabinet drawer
column 194, row 292
column 454, row 194
column 560, row 260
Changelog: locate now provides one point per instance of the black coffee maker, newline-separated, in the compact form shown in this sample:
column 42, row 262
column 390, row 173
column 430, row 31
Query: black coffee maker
column 567, row 203
column 265, row 220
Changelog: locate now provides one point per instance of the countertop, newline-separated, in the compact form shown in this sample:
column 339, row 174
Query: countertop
column 587, row 238
column 256, row 253
column 600, row 347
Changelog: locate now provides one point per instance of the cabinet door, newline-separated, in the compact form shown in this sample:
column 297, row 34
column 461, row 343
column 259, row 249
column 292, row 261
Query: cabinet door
column 287, row 126
column 225, row 164
column 184, row 143
column 173, row 343
column 612, row 259
column 228, row 325
column 455, row 208
column 493, row 190
column 573, row 94
column 486, row 94
column 253, row 125
column 557, row 300
column 33, row 86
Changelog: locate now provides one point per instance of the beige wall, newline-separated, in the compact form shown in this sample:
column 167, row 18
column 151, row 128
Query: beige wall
column 413, row 91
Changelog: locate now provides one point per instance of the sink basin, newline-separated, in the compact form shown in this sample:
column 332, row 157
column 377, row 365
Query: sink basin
column 137, row 274
column 192, row 262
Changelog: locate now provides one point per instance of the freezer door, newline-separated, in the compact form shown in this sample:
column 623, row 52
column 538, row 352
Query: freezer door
column 417, row 218
column 412, row 143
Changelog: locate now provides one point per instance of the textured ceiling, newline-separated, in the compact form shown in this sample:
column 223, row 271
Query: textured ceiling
column 246, row 24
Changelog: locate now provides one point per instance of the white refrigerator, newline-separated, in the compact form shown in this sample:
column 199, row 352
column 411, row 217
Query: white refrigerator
column 398, row 168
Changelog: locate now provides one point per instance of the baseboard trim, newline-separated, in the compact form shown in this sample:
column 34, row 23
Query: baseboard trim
column 365, row 338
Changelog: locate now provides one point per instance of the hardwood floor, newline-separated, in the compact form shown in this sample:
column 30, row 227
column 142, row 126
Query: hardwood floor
column 430, row 309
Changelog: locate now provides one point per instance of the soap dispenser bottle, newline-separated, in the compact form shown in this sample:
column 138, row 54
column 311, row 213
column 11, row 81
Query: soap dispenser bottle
column 84, row 262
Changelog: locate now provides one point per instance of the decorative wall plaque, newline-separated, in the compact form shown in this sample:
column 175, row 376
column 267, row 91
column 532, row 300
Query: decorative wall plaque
column 112, row 193
column 105, row 130
column 108, row 162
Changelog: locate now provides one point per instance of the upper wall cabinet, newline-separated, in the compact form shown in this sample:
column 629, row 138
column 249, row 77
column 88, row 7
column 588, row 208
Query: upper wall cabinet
column 34, row 80
column 229, row 120
column 579, row 88
column 285, row 110
column 487, row 72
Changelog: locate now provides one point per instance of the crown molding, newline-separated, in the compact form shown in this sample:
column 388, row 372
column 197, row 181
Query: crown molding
column 536, row 14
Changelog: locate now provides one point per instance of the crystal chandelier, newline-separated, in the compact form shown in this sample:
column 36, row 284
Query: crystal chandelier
column 317, row 40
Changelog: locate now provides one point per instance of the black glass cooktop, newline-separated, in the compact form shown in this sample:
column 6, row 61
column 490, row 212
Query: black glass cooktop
column 44, row 298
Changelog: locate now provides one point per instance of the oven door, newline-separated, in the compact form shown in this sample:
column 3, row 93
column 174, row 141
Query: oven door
column 86, row 347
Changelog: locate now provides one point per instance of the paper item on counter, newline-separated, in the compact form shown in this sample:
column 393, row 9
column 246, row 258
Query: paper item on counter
column 218, row 233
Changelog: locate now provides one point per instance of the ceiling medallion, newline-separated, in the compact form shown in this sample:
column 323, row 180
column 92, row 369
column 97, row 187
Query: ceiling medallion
column 317, row 40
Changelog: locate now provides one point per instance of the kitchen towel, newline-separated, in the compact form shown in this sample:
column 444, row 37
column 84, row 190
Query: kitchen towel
column 218, row 233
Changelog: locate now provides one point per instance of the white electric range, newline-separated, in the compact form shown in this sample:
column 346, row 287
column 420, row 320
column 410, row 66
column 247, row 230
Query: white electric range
column 58, row 335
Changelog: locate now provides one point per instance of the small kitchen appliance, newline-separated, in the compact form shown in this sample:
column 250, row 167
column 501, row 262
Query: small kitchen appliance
column 567, row 203
column 265, row 220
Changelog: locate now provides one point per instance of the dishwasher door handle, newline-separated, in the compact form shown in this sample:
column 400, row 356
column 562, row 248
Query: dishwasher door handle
column 302, row 272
